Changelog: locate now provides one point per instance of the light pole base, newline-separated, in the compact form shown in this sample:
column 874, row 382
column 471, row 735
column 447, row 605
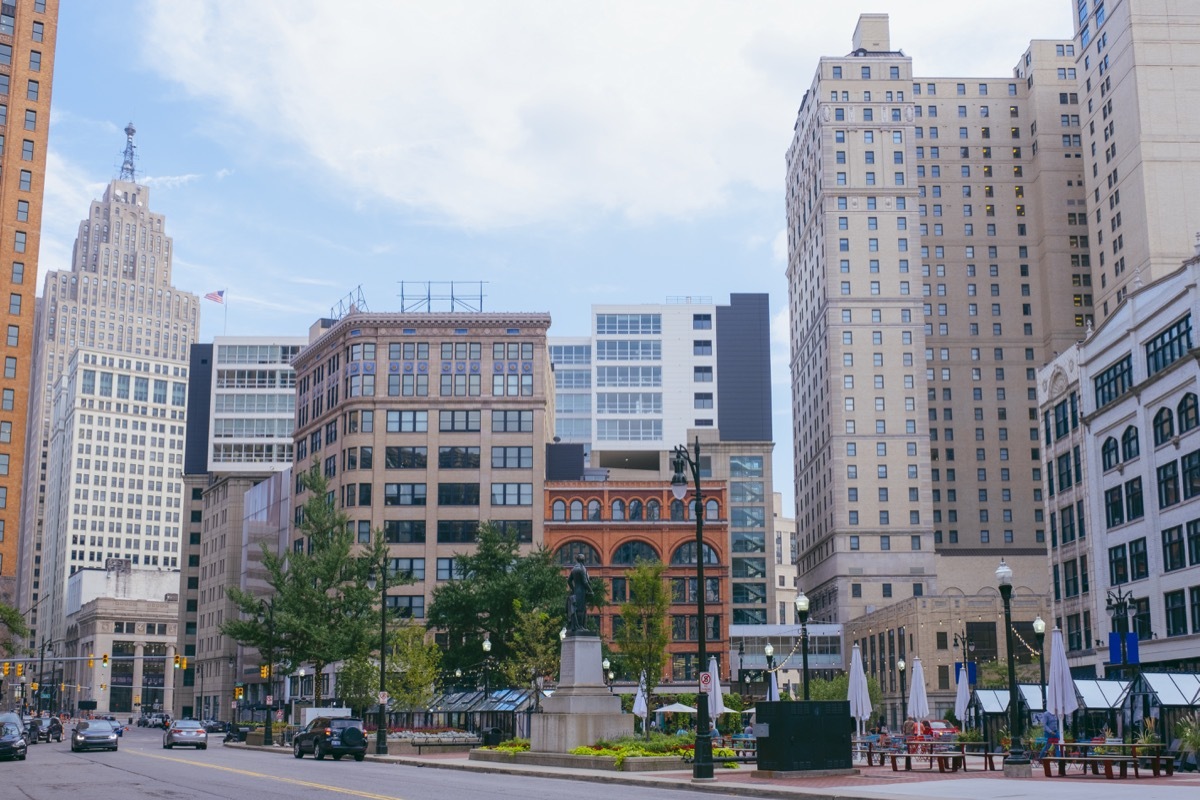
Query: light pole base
column 1020, row 770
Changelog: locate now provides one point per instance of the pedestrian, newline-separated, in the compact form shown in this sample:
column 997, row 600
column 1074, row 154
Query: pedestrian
column 910, row 727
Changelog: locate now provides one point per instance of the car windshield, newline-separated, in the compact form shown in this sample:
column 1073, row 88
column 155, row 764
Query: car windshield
column 346, row 723
column 9, row 730
column 186, row 723
column 96, row 726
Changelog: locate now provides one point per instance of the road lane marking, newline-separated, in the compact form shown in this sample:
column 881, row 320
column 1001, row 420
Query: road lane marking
column 293, row 781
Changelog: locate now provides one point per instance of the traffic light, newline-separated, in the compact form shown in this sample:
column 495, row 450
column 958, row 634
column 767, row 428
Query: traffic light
column 33, row 686
column 91, row 660
column 103, row 686
column 20, row 669
column 176, row 662
column 104, row 661
column 238, row 691
column 264, row 671
column 6, row 668
column 184, row 662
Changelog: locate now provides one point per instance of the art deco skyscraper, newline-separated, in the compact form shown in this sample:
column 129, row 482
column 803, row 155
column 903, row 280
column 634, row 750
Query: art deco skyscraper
column 116, row 300
column 27, row 36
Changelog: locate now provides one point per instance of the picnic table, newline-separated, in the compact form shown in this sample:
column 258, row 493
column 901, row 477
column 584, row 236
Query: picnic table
column 1114, row 758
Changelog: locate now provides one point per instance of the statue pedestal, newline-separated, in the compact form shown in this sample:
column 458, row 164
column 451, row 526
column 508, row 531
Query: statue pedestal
column 582, row 709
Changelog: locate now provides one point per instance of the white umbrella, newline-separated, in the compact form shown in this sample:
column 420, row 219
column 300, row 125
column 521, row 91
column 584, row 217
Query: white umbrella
column 963, row 696
column 716, row 702
column 675, row 708
column 918, row 700
column 859, row 696
column 639, row 700
column 772, row 688
column 1060, row 692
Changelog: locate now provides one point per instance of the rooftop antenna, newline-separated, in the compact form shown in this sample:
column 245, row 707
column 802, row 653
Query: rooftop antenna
column 127, row 169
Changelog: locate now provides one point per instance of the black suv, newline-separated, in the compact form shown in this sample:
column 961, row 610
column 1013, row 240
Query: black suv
column 46, row 729
column 331, row 736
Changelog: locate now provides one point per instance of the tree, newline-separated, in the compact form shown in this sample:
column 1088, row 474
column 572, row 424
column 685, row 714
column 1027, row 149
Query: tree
column 412, row 667
column 321, row 610
column 535, row 647
column 12, row 629
column 481, row 602
column 642, row 635
column 838, row 688
column 994, row 674
column 358, row 682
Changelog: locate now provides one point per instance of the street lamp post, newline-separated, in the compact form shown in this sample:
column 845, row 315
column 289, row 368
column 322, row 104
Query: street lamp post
column 41, row 674
column 900, row 665
column 608, row 674
column 1016, row 755
column 381, row 727
column 769, row 652
column 1039, row 633
column 967, row 647
column 487, row 658
column 1118, row 604
column 702, row 764
column 268, row 731
column 802, row 614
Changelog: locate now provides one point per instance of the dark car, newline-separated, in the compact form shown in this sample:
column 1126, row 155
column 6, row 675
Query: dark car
column 93, row 734
column 14, row 718
column 12, row 741
column 46, row 729
column 213, row 725
column 331, row 736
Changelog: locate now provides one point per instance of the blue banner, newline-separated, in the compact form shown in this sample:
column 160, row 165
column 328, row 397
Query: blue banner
column 1114, row 647
column 1131, row 648
column 971, row 672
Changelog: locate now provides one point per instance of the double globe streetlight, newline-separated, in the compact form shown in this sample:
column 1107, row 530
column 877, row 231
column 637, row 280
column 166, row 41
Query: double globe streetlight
column 1016, row 754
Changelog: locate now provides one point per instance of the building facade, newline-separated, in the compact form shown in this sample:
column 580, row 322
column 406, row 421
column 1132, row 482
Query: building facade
column 116, row 299
column 426, row 425
column 28, row 32
column 936, row 255
column 1137, row 382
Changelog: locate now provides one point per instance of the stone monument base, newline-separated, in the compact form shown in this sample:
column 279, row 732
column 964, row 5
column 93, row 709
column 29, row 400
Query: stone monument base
column 582, row 709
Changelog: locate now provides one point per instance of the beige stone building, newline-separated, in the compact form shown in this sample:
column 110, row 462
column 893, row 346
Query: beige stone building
column 1138, row 67
column 937, row 256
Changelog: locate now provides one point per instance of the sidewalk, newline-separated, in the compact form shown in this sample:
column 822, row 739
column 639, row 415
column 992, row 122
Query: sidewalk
column 873, row 783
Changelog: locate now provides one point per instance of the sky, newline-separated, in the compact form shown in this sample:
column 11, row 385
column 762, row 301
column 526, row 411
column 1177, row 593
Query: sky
column 564, row 153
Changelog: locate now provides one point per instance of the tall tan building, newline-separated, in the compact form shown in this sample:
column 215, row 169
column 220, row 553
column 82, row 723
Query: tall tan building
column 937, row 256
column 1138, row 67
column 27, row 36
column 425, row 425
column 118, row 301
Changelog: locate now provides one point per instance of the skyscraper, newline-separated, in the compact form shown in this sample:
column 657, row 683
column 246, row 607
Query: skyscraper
column 1138, row 73
column 27, row 36
column 118, row 301
column 936, row 235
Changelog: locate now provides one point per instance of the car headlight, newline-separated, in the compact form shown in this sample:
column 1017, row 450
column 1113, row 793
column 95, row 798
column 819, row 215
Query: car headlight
column 112, row 736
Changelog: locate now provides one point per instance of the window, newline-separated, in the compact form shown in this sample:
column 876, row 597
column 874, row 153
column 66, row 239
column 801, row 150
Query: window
column 1130, row 448
column 404, row 494
column 459, row 421
column 1114, row 381
column 1139, row 563
column 512, row 457
column 1176, row 613
column 1164, row 426
column 702, row 322
column 1169, row 346
column 458, row 494
column 407, row 421
column 512, row 421
column 512, row 494
column 1172, row 549
column 1168, row 484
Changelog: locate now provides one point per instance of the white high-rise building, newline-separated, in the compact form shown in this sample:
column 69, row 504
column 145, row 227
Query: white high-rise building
column 116, row 299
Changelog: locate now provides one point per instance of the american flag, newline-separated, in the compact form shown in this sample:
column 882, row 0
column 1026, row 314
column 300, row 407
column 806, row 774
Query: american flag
column 216, row 297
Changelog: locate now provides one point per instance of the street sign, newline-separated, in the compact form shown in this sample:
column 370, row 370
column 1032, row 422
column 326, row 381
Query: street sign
column 270, row 700
column 705, row 681
column 383, row 697
column 233, row 705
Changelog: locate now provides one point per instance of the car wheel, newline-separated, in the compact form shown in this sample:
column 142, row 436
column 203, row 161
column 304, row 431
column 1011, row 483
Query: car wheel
column 21, row 757
column 166, row 746
column 318, row 752
column 359, row 756
column 202, row 746
column 296, row 751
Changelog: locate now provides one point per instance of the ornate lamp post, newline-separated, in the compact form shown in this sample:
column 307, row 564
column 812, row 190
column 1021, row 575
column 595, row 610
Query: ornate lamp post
column 381, row 724
column 487, row 649
column 1039, row 633
column 608, row 674
column 1118, row 605
column 702, row 765
column 268, row 735
column 1016, row 755
column 769, row 652
column 802, row 615
column 900, row 665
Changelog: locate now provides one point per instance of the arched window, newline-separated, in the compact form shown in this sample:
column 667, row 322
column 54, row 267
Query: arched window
column 677, row 512
column 1110, row 453
column 594, row 510
column 567, row 553
column 635, row 509
column 559, row 510
column 1130, row 448
column 618, row 509
column 1164, row 426
column 577, row 509
column 686, row 554
column 712, row 509
column 653, row 510
column 633, row 551
column 1189, row 413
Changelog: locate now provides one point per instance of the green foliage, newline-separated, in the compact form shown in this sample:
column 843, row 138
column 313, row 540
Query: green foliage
column 358, row 682
column 994, row 674
column 321, row 610
column 1188, row 731
column 643, row 635
column 535, row 646
column 412, row 667
column 656, row 745
column 12, row 630
column 494, row 575
column 838, row 688
column 510, row 746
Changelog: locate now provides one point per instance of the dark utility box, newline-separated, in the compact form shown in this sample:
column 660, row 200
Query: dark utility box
column 800, row 736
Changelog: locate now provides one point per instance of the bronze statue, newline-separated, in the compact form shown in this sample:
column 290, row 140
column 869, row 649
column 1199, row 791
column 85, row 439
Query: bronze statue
column 577, row 600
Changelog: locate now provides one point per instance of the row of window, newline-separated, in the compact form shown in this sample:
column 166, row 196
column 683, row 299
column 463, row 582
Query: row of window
column 450, row 351
column 449, row 531
column 629, row 553
column 452, row 457
column 458, row 384
column 634, row 510
column 449, row 494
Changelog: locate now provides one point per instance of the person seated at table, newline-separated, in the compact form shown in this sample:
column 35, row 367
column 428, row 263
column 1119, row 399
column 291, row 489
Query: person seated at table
column 910, row 727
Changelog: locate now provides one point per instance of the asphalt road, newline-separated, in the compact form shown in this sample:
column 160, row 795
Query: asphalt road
column 140, row 768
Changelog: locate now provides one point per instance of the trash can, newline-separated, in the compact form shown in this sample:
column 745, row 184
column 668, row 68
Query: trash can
column 492, row 737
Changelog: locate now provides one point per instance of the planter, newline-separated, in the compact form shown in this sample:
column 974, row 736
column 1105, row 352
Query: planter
column 599, row 763
column 254, row 738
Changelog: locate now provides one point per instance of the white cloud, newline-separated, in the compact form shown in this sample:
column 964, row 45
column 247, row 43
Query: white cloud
column 493, row 114
column 68, row 196
column 779, row 247
column 169, row 181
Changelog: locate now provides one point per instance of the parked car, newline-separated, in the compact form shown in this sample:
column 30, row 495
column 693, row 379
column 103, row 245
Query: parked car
column 213, row 725
column 937, row 728
column 187, row 732
column 14, row 718
column 94, row 734
column 13, row 744
column 116, row 723
column 47, row 729
column 331, row 736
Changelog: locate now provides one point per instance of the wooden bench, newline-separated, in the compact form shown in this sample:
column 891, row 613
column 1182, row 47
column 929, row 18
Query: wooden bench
column 948, row 760
column 1122, row 762
column 1159, row 763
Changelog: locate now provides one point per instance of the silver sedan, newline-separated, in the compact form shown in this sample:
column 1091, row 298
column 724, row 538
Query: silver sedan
column 187, row 732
